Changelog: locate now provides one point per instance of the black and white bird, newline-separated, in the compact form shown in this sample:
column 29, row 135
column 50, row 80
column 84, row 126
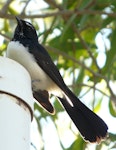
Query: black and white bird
column 46, row 79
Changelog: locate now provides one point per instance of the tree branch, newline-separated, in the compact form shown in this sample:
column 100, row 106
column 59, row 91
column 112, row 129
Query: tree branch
column 59, row 13
column 5, row 36
column 85, row 45
column 26, row 4
column 5, row 7
column 96, row 74
column 94, row 87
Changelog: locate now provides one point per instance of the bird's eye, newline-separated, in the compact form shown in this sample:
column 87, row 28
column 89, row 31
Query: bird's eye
column 29, row 28
column 29, row 25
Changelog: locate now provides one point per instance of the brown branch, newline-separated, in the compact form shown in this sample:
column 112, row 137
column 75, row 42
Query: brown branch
column 59, row 13
column 54, row 4
column 85, row 45
column 113, row 96
column 96, row 74
column 89, row 86
column 5, row 36
column 26, row 4
column 93, row 87
column 5, row 7
column 91, row 3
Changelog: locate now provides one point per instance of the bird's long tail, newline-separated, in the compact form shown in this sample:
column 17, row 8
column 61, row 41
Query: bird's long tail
column 91, row 126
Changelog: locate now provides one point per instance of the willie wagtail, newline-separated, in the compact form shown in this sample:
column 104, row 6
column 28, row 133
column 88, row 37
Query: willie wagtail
column 46, row 79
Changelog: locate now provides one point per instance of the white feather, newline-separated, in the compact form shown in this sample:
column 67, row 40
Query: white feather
column 40, row 79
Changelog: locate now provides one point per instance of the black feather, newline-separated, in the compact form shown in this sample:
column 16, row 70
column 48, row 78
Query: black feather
column 91, row 126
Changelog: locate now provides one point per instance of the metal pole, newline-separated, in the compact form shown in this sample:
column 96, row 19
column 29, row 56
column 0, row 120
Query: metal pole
column 16, row 106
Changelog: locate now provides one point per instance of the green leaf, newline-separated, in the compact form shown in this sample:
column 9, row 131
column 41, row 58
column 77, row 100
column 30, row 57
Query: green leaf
column 84, row 3
column 112, row 137
column 112, row 108
column 72, row 18
column 111, row 53
column 79, row 80
column 98, row 106
column 78, row 144
column 107, row 21
column 13, row 11
column 42, row 111
column 6, row 25
column 58, row 106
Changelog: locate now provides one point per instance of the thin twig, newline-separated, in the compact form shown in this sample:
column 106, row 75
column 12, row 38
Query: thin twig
column 26, row 4
column 54, row 4
column 91, row 3
column 96, row 74
column 5, row 36
column 85, row 45
column 89, row 86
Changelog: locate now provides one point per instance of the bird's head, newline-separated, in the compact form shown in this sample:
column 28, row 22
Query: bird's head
column 24, row 31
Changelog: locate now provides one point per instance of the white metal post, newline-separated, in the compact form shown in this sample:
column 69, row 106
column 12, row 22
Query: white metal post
column 16, row 106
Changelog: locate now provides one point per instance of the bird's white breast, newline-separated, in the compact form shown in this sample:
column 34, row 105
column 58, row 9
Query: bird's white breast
column 40, row 79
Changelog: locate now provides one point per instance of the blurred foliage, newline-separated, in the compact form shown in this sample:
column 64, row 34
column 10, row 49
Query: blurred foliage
column 81, row 38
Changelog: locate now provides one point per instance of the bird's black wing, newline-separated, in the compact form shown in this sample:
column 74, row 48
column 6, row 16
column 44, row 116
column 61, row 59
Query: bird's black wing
column 43, row 98
column 45, row 62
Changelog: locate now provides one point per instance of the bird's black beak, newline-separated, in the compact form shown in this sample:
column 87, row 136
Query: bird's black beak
column 19, row 21
column 20, row 26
